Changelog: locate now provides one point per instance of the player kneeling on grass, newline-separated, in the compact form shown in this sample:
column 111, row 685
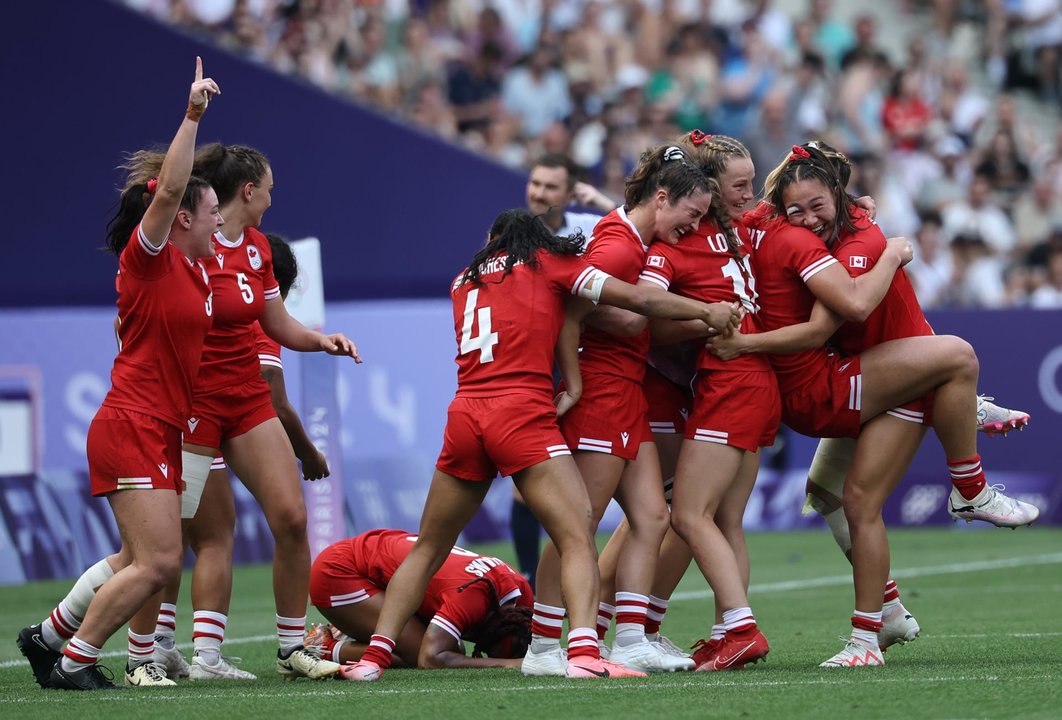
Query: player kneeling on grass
column 471, row 597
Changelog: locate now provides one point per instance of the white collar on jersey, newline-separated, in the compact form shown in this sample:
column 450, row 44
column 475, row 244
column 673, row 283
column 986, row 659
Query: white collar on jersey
column 622, row 212
column 220, row 238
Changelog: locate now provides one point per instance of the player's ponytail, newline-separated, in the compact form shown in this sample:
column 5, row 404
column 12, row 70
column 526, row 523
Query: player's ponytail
column 229, row 168
column 667, row 167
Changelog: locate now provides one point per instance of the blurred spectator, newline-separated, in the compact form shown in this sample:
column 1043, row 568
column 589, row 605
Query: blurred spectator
column 537, row 92
column 932, row 269
column 860, row 98
column 895, row 210
column 906, row 115
column 747, row 75
column 1048, row 296
column 687, row 86
column 1040, row 47
column 978, row 216
column 865, row 48
column 832, row 37
column 475, row 90
column 1004, row 167
column 1036, row 212
column 949, row 182
column 978, row 278
column 961, row 108
column 772, row 136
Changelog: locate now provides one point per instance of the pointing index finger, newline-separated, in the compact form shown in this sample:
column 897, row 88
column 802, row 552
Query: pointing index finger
column 198, row 68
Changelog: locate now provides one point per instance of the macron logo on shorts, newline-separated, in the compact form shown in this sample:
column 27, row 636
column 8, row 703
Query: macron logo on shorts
column 164, row 468
column 626, row 437
column 193, row 423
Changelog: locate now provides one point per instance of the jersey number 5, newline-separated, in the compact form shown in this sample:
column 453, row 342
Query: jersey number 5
column 486, row 340
column 245, row 288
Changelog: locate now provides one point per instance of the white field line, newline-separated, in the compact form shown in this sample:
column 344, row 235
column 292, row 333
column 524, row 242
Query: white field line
column 790, row 585
column 830, row 678
column 787, row 586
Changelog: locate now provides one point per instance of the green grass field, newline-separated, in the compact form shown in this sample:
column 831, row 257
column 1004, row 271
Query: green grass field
column 988, row 601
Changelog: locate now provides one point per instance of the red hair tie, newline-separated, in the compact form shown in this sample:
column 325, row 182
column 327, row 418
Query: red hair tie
column 152, row 185
column 697, row 137
column 799, row 152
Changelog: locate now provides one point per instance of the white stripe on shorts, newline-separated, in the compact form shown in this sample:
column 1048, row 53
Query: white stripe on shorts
column 664, row 428
column 348, row 598
column 855, row 392
column 714, row 436
column 602, row 446
column 909, row 415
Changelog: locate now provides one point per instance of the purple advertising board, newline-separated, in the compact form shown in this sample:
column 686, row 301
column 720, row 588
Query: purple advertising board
column 381, row 423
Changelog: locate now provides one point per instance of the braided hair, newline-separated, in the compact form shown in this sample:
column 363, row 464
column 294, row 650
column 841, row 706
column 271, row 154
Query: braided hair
column 506, row 631
column 713, row 154
column 814, row 160
column 520, row 235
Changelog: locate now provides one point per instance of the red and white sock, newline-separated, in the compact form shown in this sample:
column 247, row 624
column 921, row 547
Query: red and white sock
column 337, row 649
column 166, row 625
column 738, row 620
column 208, row 632
column 655, row 617
column 631, row 609
column 141, row 648
column 65, row 620
column 866, row 626
column 60, row 626
column 78, row 655
column 547, row 621
column 967, row 476
column 605, row 613
column 379, row 651
column 892, row 594
column 290, row 632
column 582, row 642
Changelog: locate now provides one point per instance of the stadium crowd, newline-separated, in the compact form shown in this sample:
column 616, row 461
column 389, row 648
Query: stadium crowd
column 952, row 163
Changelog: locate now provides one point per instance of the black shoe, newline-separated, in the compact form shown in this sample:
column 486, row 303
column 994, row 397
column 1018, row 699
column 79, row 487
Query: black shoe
column 41, row 657
column 89, row 678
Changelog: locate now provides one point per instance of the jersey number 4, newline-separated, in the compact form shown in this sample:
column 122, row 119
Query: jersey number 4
column 485, row 340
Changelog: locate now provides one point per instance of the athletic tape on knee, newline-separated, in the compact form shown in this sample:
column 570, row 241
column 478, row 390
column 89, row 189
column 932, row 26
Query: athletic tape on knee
column 839, row 528
column 79, row 597
column 196, row 470
column 833, row 456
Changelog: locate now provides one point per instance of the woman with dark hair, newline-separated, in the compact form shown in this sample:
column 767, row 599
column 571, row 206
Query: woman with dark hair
column 608, row 430
column 232, row 406
column 471, row 597
column 889, row 374
column 508, row 317
column 211, row 532
column 162, row 229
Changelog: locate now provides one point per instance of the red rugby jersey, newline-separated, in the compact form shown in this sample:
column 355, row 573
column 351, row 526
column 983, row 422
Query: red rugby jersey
column 898, row 315
column 702, row 267
column 164, row 314
column 784, row 258
column 616, row 248
column 379, row 553
column 507, row 325
column 241, row 278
